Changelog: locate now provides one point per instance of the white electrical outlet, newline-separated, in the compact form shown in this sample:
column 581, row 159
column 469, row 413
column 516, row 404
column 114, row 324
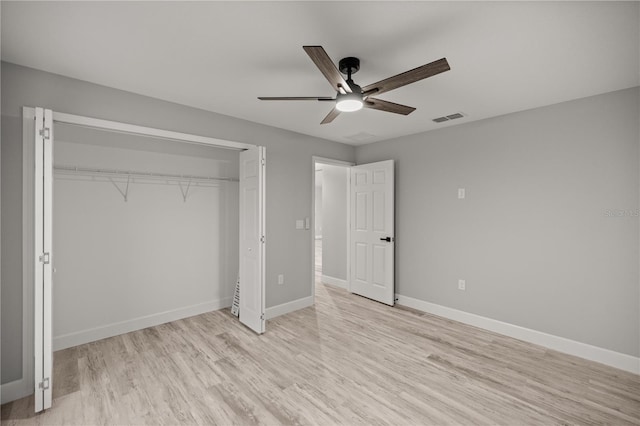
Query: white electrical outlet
column 462, row 285
column 461, row 193
column 280, row 279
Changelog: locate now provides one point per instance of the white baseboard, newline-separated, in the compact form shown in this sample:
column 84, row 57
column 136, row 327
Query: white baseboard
column 285, row 308
column 92, row 334
column 334, row 281
column 15, row 390
column 561, row 344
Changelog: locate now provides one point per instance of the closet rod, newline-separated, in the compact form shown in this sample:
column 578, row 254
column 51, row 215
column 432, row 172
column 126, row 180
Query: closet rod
column 146, row 175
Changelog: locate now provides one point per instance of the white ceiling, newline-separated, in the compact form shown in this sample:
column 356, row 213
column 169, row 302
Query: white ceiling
column 219, row 56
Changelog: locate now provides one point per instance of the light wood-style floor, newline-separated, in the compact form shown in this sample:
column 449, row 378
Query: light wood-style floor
column 347, row 360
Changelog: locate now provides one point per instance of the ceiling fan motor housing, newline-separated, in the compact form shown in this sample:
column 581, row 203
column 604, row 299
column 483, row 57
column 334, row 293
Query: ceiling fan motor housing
column 349, row 65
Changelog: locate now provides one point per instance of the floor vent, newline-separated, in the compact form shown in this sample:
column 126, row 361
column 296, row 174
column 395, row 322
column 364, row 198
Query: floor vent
column 448, row 117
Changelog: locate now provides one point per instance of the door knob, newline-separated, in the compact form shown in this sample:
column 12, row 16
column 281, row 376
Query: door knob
column 387, row 239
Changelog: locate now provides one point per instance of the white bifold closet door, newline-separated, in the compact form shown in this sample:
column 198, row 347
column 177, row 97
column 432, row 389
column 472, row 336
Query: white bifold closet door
column 252, row 239
column 43, row 204
column 372, row 242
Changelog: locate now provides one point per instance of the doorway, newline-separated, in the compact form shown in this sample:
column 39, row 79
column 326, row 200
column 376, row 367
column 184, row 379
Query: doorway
column 354, row 227
column 330, row 254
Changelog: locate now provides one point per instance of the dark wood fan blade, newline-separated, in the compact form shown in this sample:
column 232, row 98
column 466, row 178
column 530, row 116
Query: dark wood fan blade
column 319, row 57
column 408, row 77
column 381, row 105
column 295, row 98
column 331, row 116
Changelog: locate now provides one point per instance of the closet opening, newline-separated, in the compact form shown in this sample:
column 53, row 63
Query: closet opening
column 134, row 227
column 145, row 231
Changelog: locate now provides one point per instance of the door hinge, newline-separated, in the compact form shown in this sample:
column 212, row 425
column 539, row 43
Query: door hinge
column 45, row 258
column 264, row 162
column 262, row 239
column 262, row 316
column 44, row 384
column 45, row 132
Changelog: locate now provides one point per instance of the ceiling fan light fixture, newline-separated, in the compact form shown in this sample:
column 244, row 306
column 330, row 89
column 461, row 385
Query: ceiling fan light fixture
column 349, row 102
column 351, row 97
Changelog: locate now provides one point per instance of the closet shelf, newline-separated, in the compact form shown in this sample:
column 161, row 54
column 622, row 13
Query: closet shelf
column 62, row 170
column 126, row 177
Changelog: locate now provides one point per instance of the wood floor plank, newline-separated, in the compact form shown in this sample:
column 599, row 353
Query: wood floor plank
column 346, row 360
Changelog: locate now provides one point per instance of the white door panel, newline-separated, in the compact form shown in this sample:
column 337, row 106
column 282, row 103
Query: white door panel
column 371, row 224
column 43, row 303
column 38, row 273
column 252, row 280
column 47, row 342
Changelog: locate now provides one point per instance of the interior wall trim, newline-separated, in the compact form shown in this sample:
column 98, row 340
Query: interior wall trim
column 285, row 308
column 336, row 282
column 15, row 390
column 560, row 344
column 134, row 129
column 26, row 385
column 92, row 334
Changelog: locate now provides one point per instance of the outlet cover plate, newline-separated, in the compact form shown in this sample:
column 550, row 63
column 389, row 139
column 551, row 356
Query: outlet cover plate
column 462, row 285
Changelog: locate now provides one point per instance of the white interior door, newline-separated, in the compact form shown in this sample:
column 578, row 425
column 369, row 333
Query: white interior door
column 372, row 231
column 252, row 253
column 43, row 349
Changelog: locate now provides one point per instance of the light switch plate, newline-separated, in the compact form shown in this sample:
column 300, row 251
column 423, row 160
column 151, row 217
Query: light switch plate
column 461, row 193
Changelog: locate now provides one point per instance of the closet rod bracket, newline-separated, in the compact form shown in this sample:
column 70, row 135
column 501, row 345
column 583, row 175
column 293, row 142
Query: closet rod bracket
column 124, row 193
column 185, row 193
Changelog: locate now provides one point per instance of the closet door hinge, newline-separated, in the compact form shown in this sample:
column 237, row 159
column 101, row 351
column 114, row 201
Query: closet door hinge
column 45, row 132
column 45, row 258
column 262, row 239
column 262, row 316
column 44, row 384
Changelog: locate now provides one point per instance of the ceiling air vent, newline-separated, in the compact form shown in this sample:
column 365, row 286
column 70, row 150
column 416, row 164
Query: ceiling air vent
column 362, row 137
column 448, row 117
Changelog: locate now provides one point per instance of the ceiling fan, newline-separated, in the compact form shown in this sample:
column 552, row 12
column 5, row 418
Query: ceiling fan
column 350, row 96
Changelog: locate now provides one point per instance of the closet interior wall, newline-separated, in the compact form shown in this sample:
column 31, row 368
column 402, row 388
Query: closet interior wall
column 135, row 244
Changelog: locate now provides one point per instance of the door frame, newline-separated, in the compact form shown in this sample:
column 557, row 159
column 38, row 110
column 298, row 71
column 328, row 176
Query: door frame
column 28, row 232
column 332, row 162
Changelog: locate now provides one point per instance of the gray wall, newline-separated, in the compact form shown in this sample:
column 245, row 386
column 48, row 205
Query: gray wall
column 547, row 237
column 289, row 160
column 334, row 221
